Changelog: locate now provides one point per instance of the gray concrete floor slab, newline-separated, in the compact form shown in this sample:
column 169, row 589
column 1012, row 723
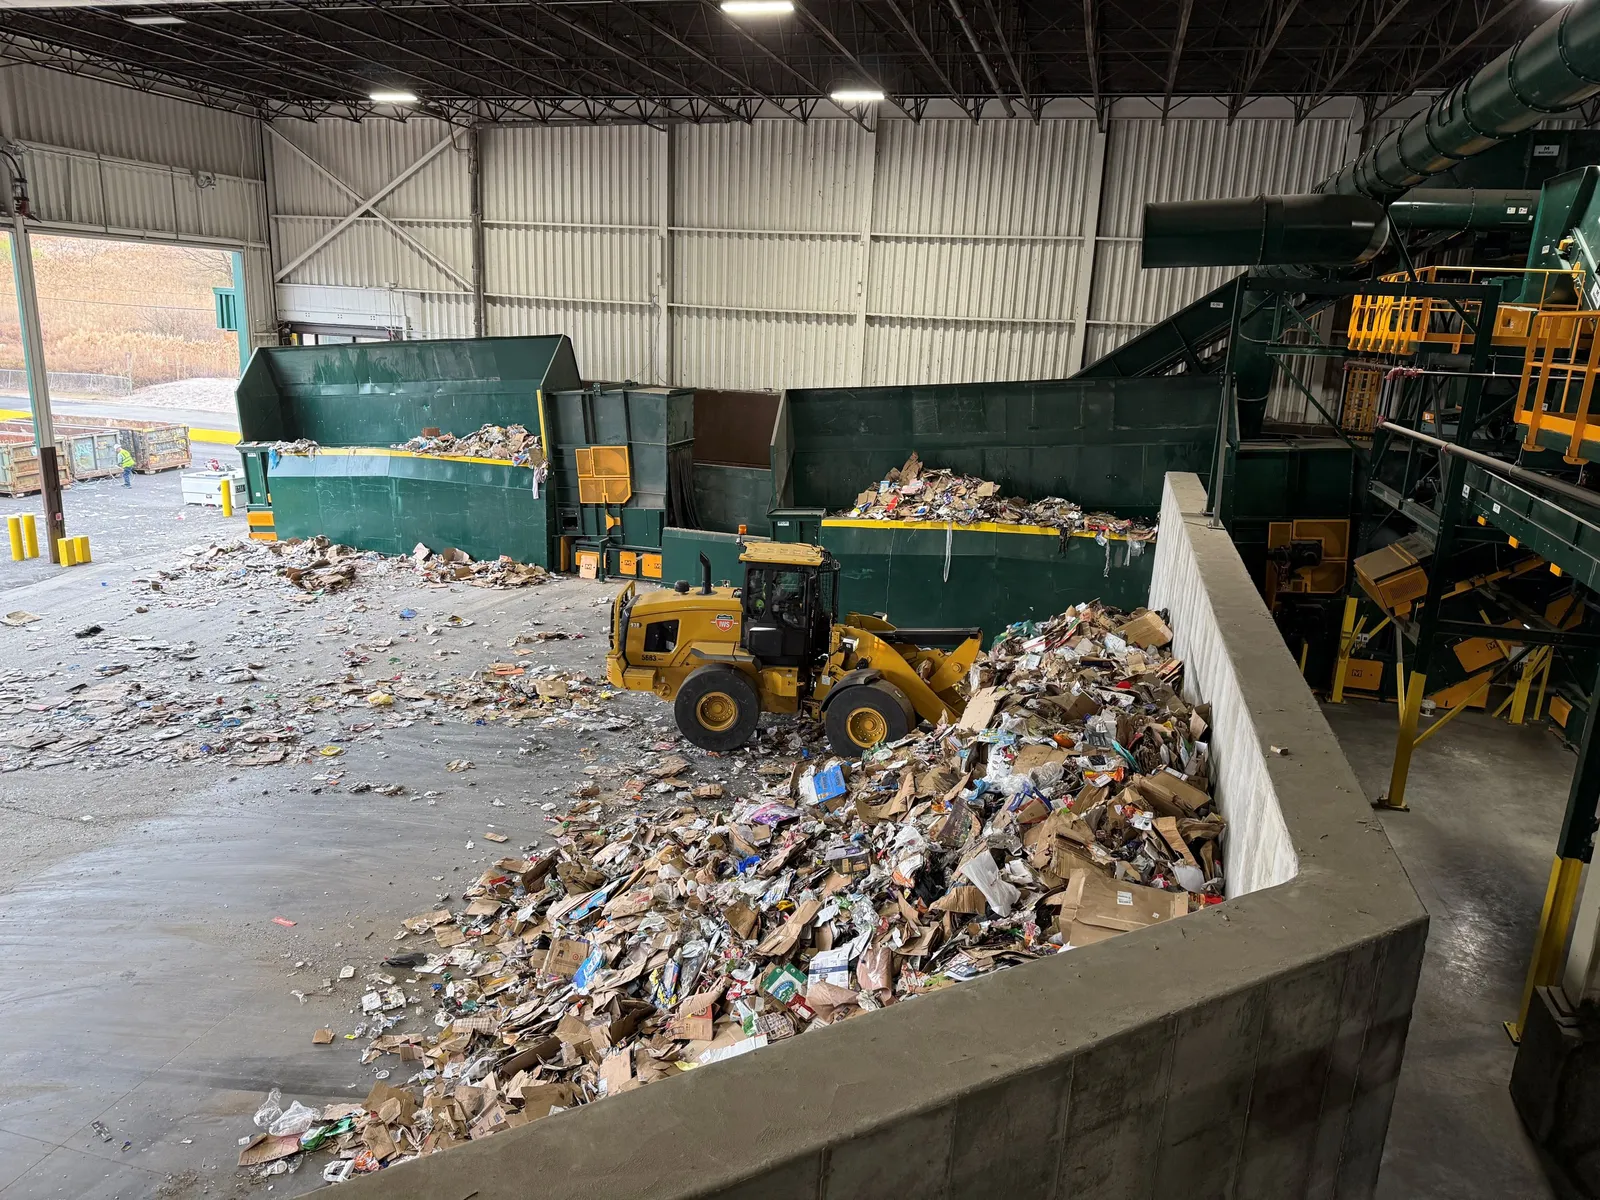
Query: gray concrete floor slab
column 144, row 984
column 143, row 981
column 1485, row 800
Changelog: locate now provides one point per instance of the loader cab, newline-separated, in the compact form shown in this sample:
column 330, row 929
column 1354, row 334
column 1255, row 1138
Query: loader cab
column 790, row 601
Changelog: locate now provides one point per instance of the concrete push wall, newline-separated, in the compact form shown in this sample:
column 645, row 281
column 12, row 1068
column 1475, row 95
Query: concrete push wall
column 1250, row 1050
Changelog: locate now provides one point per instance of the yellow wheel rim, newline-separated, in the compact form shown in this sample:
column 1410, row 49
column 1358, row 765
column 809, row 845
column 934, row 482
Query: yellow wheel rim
column 866, row 727
column 716, row 711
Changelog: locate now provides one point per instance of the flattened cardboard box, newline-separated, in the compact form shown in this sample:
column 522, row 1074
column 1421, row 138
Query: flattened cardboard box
column 1094, row 908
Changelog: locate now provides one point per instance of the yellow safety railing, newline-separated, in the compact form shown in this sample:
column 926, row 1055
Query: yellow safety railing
column 1363, row 385
column 1558, row 378
column 1403, row 324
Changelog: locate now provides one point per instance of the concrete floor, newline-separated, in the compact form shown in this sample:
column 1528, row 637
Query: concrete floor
column 144, row 984
column 143, row 981
column 1486, row 800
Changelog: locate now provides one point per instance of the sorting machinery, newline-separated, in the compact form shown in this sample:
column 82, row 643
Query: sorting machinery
column 1446, row 284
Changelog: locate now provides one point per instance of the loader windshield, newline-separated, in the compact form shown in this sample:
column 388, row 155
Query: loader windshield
column 779, row 596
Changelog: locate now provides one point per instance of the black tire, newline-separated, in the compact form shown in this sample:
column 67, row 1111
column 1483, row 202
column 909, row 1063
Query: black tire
column 717, row 709
column 872, row 711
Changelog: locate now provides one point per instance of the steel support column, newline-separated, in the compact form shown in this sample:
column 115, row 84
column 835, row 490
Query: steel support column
column 1574, row 848
column 44, row 429
column 480, row 309
column 867, row 170
column 1453, row 470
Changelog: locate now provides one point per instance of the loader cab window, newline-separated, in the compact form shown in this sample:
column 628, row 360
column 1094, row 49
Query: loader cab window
column 777, row 596
column 780, row 605
column 661, row 637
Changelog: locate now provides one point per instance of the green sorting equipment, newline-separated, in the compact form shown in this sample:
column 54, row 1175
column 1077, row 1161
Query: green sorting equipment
column 1104, row 443
column 389, row 501
column 358, row 401
column 383, row 393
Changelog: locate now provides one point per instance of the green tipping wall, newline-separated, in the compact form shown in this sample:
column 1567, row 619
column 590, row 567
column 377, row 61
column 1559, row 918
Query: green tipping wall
column 1106, row 443
column 728, row 497
column 390, row 502
column 681, row 550
column 384, row 393
column 986, row 578
column 992, row 579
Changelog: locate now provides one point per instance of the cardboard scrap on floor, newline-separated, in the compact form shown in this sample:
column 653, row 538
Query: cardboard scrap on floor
column 1070, row 805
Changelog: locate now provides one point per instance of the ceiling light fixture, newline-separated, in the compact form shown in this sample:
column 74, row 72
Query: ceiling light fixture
column 758, row 8
column 155, row 19
column 856, row 96
column 393, row 97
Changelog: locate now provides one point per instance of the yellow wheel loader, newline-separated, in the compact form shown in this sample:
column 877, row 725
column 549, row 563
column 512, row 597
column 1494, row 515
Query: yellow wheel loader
column 725, row 655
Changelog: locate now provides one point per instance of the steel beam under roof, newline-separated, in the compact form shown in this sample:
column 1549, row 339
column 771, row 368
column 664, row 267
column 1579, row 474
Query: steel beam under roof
column 609, row 60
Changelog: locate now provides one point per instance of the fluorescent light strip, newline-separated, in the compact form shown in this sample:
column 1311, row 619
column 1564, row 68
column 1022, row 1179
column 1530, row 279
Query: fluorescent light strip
column 393, row 98
column 856, row 96
column 758, row 8
column 155, row 19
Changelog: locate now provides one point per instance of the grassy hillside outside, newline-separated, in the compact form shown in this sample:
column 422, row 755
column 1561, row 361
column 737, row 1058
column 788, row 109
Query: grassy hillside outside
column 123, row 308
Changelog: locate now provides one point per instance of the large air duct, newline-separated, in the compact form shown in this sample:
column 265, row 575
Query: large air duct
column 1262, row 230
column 1554, row 69
column 1330, row 230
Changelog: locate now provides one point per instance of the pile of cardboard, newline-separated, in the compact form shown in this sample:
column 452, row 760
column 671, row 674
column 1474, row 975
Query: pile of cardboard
column 302, row 446
column 916, row 492
column 1069, row 804
column 510, row 442
column 457, row 566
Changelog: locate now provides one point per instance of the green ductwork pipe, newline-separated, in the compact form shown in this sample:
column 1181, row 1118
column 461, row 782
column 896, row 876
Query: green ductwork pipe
column 1259, row 230
column 1458, row 210
column 1317, row 229
column 1554, row 69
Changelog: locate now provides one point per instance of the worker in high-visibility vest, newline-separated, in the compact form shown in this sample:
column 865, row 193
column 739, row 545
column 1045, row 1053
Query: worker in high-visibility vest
column 125, row 461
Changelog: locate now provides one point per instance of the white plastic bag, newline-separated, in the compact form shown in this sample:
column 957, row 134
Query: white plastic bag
column 338, row 1170
column 296, row 1119
column 271, row 1109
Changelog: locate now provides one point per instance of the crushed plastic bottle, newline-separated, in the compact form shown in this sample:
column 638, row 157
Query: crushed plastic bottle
column 271, row 1109
column 296, row 1119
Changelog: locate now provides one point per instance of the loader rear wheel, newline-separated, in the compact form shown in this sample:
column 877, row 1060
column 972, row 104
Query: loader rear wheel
column 860, row 717
column 717, row 709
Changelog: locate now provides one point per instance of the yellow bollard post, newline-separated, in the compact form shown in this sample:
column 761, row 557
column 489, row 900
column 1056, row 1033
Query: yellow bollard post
column 66, row 553
column 80, row 548
column 227, row 497
column 14, row 528
column 30, row 535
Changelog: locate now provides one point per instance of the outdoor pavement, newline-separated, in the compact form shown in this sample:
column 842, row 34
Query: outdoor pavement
column 64, row 409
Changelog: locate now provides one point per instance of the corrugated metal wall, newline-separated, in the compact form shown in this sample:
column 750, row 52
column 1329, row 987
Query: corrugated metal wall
column 760, row 256
column 107, row 160
column 775, row 254
column 571, row 232
column 73, row 111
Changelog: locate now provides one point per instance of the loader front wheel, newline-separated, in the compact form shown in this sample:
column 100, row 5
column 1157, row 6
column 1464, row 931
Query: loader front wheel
column 717, row 709
column 860, row 717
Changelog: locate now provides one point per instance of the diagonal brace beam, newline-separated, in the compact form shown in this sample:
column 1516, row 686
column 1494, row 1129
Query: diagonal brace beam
column 364, row 206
